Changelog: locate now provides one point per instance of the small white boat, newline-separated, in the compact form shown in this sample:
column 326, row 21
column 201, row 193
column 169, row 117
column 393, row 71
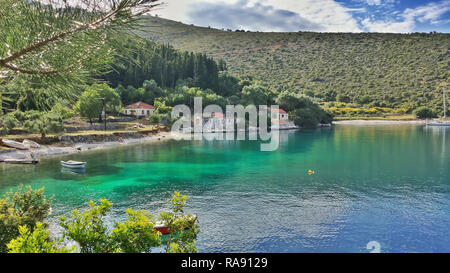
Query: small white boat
column 15, row 144
column 31, row 144
column 73, row 164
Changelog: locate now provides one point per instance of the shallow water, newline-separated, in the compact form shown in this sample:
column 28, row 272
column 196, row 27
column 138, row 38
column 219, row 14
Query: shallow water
column 389, row 184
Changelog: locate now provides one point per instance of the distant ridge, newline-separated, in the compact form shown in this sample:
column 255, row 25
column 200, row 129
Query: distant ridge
column 373, row 69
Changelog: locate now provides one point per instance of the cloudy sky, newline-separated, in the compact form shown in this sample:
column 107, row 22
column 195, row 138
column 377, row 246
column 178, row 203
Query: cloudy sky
column 400, row 16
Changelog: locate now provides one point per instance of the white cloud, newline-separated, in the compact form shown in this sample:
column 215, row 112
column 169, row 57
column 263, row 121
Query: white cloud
column 388, row 26
column 373, row 2
column 406, row 21
column 378, row 2
column 431, row 12
column 313, row 15
column 331, row 16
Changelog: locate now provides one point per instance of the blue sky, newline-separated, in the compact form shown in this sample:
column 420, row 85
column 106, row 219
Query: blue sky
column 397, row 16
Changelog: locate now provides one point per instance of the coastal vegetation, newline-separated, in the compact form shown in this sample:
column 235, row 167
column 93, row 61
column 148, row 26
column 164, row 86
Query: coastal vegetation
column 117, row 73
column 97, row 96
column 23, row 228
column 368, row 70
column 424, row 112
column 52, row 62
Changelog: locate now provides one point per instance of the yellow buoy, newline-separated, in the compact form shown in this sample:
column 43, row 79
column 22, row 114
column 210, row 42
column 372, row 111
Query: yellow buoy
column 310, row 172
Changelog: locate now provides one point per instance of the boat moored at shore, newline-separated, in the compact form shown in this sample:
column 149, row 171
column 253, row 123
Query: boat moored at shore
column 15, row 144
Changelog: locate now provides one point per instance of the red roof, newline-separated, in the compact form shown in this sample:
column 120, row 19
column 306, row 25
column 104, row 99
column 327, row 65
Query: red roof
column 140, row 105
column 279, row 110
column 217, row 115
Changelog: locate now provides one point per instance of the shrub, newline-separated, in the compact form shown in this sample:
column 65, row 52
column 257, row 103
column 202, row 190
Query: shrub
column 63, row 111
column 22, row 229
column 44, row 123
column 88, row 229
column 19, row 115
column 136, row 234
column 424, row 112
column 7, row 123
column 36, row 241
column 22, row 208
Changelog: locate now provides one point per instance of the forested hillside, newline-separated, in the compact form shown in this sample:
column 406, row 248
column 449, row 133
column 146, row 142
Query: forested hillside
column 367, row 69
column 142, row 60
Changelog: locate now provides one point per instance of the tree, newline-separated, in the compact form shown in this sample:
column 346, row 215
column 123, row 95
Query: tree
column 222, row 65
column 142, row 60
column 152, row 91
column 22, row 208
column 128, row 95
column 303, row 110
column 424, row 113
column 112, row 99
column 228, row 85
column 44, row 123
column 290, row 101
column 89, row 106
column 257, row 95
column 68, row 40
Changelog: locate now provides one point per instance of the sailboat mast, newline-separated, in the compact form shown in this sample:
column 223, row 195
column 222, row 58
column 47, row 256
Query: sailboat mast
column 445, row 103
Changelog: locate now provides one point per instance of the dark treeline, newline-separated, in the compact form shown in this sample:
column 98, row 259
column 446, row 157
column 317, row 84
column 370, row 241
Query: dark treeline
column 142, row 60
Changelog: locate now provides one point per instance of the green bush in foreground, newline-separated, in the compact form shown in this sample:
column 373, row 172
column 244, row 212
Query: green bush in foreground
column 23, row 208
column 23, row 231
column 36, row 241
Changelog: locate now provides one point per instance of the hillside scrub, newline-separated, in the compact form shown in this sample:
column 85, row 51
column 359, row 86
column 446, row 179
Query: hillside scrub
column 369, row 69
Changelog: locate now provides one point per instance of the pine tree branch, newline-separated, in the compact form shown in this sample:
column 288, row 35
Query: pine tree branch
column 27, row 71
column 108, row 18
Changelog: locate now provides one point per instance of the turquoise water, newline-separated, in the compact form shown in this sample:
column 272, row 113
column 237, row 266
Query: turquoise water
column 371, row 183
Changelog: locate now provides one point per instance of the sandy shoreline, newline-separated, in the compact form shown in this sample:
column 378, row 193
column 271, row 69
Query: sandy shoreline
column 378, row 122
column 74, row 148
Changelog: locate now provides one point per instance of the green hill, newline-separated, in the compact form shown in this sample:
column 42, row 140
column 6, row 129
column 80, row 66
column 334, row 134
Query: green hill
column 367, row 69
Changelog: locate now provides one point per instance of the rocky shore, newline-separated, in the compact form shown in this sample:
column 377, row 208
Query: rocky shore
column 77, row 144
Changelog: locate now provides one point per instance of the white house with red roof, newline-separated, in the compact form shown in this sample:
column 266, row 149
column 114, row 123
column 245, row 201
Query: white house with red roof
column 278, row 114
column 218, row 123
column 139, row 109
column 283, row 119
